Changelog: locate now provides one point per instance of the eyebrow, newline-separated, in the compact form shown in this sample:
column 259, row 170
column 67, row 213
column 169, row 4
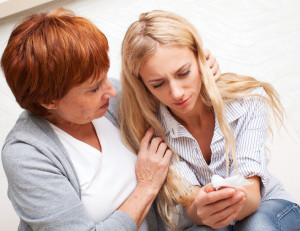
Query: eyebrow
column 176, row 72
column 96, row 84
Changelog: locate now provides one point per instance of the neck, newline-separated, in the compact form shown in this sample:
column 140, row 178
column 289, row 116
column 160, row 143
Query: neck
column 197, row 118
column 70, row 128
column 83, row 132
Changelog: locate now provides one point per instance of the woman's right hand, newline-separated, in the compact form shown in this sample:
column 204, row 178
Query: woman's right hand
column 153, row 162
column 215, row 209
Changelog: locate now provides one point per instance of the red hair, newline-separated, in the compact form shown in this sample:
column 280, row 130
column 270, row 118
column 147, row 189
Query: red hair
column 48, row 54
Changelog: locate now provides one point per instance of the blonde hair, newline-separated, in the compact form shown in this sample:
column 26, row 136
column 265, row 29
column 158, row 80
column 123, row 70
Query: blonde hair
column 139, row 108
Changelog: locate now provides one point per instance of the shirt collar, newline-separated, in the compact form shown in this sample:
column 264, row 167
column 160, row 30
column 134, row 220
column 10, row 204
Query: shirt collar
column 233, row 111
column 169, row 123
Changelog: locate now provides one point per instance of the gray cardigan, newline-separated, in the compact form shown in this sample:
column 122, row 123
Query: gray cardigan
column 42, row 182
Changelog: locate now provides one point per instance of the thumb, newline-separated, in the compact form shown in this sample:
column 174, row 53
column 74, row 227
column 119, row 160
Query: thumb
column 208, row 188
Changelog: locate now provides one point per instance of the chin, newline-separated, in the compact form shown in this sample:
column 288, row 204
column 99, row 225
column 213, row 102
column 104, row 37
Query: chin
column 99, row 115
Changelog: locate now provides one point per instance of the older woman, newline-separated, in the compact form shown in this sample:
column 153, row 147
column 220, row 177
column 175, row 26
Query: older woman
column 66, row 164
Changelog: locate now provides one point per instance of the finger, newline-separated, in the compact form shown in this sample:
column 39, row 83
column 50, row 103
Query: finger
column 162, row 149
column 211, row 61
column 146, row 139
column 217, row 76
column 154, row 144
column 215, row 68
column 227, row 203
column 167, row 157
column 208, row 188
column 219, row 195
column 206, row 53
column 227, row 216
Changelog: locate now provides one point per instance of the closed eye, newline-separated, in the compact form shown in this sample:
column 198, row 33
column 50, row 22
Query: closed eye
column 184, row 73
column 96, row 89
column 158, row 85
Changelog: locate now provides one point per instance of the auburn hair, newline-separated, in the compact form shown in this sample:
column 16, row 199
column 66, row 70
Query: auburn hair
column 47, row 54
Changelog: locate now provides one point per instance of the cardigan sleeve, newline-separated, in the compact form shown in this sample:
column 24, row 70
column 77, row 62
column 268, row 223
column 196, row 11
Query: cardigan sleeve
column 43, row 194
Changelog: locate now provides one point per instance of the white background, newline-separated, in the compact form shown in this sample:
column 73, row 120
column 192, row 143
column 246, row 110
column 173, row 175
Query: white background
column 260, row 38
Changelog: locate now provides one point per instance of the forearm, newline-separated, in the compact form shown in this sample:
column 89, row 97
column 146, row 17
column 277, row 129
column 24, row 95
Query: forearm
column 252, row 198
column 138, row 204
column 191, row 209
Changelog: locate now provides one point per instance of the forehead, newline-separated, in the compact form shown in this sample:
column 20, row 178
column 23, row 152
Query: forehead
column 166, row 59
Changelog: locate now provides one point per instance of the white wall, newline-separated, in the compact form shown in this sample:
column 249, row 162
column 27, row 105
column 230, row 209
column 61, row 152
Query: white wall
column 254, row 37
column 9, row 7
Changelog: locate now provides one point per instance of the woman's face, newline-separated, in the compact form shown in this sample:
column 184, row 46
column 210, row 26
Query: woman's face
column 84, row 102
column 173, row 76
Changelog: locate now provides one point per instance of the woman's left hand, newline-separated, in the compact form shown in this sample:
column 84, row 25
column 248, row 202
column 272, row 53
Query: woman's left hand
column 213, row 64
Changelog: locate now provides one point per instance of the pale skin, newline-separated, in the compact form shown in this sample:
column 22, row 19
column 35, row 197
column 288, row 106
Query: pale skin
column 88, row 101
column 173, row 76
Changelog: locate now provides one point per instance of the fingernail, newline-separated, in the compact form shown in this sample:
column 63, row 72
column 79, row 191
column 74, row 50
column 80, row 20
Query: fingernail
column 210, row 189
column 230, row 191
column 240, row 194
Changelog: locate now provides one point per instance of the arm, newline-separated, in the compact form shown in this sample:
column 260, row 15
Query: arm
column 45, row 193
column 250, row 150
column 252, row 198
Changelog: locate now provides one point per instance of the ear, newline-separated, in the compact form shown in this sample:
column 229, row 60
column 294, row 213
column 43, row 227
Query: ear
column 50, row 106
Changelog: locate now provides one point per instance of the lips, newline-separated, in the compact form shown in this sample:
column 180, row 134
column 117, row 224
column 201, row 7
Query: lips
column 105, row 106
column 182, row 103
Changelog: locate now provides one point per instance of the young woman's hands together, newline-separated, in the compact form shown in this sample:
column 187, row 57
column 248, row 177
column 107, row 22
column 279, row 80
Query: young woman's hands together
column 215, row 209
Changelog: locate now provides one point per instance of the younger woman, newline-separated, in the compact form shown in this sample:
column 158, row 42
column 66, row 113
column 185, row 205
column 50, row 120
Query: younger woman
column 215, row 128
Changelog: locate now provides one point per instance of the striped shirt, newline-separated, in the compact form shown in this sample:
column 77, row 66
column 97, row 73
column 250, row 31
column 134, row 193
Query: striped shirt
column 248, row 120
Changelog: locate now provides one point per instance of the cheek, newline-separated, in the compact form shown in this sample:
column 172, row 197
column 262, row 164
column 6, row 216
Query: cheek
column 162, row 97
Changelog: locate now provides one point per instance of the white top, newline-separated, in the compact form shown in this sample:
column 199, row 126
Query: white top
column 106, row 178
column 248, row 120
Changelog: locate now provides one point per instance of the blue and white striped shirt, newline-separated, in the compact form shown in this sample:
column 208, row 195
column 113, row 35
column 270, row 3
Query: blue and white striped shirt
column 248, row 120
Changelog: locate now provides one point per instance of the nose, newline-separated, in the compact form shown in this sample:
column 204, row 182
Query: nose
column 109, row 90
column 176, row 90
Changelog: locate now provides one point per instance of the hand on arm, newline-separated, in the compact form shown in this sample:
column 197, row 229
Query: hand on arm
column 216, row 209
column 151, row 170
column 213, row 64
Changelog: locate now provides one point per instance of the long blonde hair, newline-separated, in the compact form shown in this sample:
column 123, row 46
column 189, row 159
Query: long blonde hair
column 139, row 108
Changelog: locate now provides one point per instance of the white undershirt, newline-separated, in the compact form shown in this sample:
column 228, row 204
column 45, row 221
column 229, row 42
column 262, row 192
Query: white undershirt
column 106, row 178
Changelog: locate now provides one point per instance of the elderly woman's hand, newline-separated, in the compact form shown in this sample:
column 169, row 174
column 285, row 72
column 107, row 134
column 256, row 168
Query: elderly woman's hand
column 213, row 64
column 153, row 162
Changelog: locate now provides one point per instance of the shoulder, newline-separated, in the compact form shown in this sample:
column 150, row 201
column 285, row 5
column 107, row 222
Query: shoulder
column 256, row 96
column 253, row 102
column 256, row 99
column 32, row 138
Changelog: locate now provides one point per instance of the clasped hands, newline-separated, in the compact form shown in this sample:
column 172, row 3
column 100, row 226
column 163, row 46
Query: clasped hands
column 216, row 209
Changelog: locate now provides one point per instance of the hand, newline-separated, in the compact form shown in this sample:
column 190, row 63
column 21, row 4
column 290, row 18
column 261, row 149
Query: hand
column 217, row 209
column 213, row 64
column 153, row 162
